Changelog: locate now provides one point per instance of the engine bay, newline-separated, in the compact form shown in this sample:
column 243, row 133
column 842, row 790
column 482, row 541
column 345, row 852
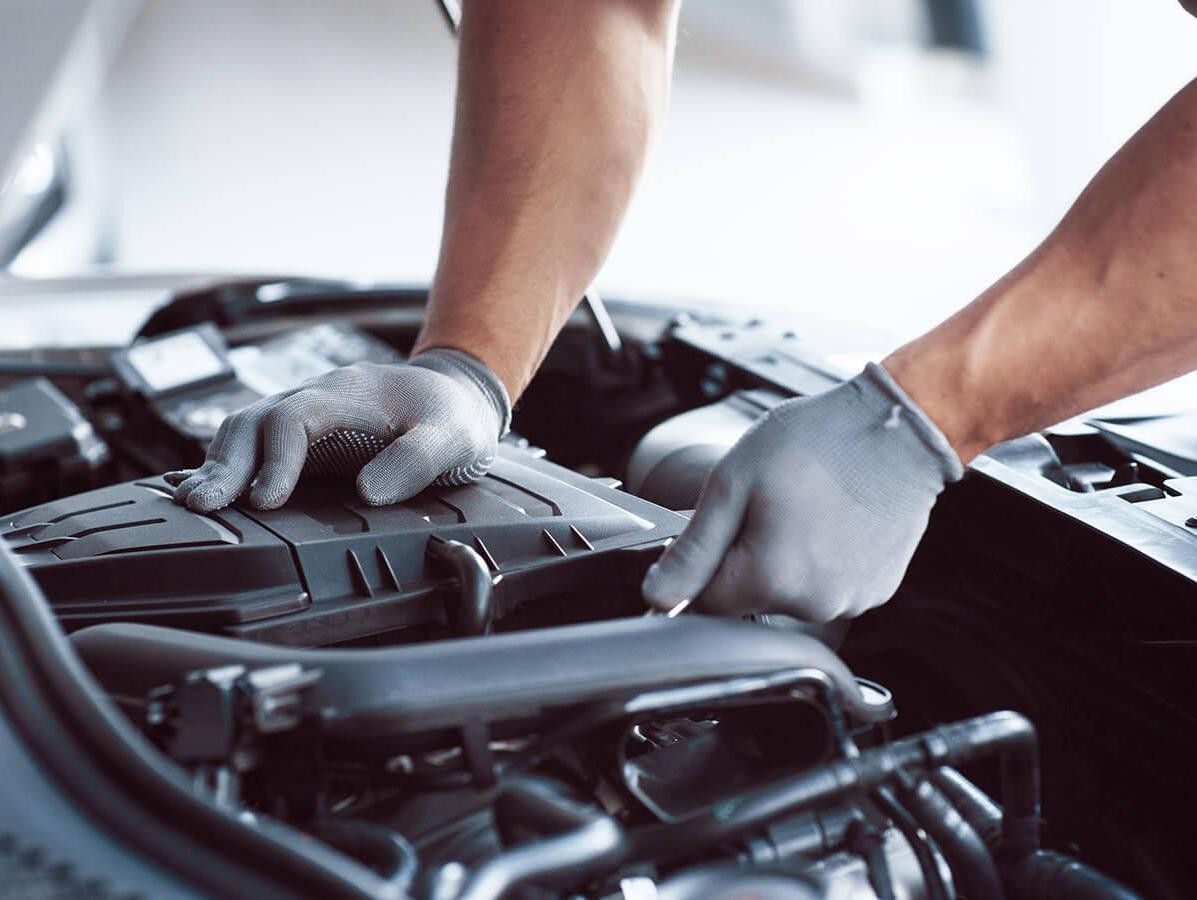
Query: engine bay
column 462, row 693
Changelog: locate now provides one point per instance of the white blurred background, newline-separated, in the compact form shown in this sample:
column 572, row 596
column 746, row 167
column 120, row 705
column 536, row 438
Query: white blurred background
column 823, row 159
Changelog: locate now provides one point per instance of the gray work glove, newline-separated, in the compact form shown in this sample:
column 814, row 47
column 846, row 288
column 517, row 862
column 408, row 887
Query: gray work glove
column 399, row 428
column 817, row 509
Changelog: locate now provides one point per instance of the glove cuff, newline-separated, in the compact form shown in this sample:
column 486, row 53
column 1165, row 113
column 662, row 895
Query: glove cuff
column 459, row 365
column 904, row 411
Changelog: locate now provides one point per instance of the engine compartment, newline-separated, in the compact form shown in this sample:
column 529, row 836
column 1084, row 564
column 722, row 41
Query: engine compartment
column 461, row 693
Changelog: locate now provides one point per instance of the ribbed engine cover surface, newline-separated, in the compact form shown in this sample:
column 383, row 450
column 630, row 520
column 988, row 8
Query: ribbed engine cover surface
column 327, row 568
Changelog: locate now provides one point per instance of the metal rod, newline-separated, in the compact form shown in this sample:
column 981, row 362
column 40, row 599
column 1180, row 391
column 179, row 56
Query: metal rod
column 451, row 10
column 603, row 322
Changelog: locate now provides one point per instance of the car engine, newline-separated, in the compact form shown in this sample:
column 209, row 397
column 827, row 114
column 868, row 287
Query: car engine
column 463, row 695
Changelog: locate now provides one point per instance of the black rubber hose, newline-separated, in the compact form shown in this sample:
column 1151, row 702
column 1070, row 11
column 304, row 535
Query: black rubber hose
column 926, row 853
column 384, row 851
column 1038, row 875
column 974, row 804
column 1006, row 733
column 1022, row 821
column 569, row 841
column 537, row 805
column 575, row 855
column 972, row 866
column 1044, row 875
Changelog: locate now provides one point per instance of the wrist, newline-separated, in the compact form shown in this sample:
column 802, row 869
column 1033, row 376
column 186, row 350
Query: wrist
column 908, row 424
column 509, row 376
column 936, row 385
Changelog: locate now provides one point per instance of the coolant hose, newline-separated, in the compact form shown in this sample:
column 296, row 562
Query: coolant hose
column 972, row 865
column 1039, row 875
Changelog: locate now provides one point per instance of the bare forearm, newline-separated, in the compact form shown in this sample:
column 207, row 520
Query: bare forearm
column 556, row 106
column 1106, row 306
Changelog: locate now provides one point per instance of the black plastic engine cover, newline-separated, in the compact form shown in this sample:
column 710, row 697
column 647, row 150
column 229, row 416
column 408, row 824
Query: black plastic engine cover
column 327, row 568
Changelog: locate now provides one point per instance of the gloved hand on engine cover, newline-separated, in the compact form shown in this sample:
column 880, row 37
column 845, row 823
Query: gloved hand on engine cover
column 817, row 509
column 399, row 428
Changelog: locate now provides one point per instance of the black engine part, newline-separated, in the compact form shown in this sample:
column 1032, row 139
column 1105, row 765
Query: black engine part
column 47, row 447
column 405, row 697
column 327, row 568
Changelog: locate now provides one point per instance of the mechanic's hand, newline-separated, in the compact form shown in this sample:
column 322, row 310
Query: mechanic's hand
column 399, row 428
column 817, row 509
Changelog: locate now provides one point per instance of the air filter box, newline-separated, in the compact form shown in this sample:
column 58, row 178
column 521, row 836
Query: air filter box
column 327, row 568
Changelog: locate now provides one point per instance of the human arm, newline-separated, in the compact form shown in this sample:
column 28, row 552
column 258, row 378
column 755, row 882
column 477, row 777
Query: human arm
column 817, row 511
column 557, row 103
column 1104, row 307
column 556, row 106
